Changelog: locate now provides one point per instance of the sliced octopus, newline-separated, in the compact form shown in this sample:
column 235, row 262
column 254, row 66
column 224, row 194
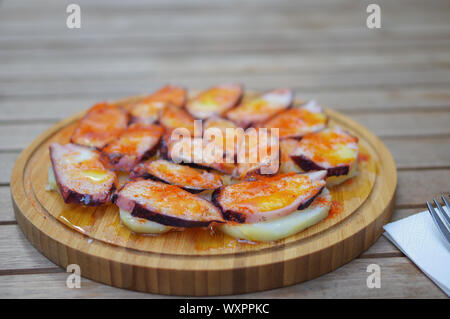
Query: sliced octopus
column 102, row 124
column 215, row 101
column 191, row 179
column 268, row 198
column 258, row 153
column 173, row 117
column 298, row 121
column 80, row 176
column 260, row 109
column 137, row 142
column 195, row 152
column 148, row 110
column 166, row 204
column 334, row 150
column 228, row 142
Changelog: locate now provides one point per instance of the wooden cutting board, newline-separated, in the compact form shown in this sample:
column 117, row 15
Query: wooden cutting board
column 197, row 261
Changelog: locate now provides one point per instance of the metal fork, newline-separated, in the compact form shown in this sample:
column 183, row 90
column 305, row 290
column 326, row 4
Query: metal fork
column 441, row 219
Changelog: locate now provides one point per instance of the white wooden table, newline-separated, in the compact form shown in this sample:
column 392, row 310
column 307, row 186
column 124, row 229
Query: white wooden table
column 395, row 80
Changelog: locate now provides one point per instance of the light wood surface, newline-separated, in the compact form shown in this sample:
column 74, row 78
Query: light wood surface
column 193, row 262
column 323, row 48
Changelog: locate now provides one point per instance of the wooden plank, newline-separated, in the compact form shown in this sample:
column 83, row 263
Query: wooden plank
column 24, row 135
column 16, row 252
column 58, row 108
column 399, row 279
column 215, row 3
column 216, row 7
column 52, row 67
column 349, row 101
column 225, row 15
column 127, row 85
column 176, row 49
column 420, row 152
column 186, row 28
column 7, row 160
column 151, row 50
column 6, row 209
column 416, row 187
column 384, row 100
column 406, row 124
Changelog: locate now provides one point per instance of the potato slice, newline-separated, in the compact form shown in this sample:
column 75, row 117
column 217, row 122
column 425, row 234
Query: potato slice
column 142, row 225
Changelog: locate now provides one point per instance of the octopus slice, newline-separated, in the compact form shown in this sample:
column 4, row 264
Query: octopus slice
column 333, row 149
column 100, row 125
column 80, row 176
column 268, row 198
column 298, row 121
column 148, row 110
column 173, row 117
column 166, row 204
column 191, row 179
column 215, row 101
column 262, row 108
column 137, row 142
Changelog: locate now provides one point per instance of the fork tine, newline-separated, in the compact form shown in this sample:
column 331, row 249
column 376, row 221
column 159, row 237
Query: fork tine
column 443, row 213
column 446, row 202
column 437, row 220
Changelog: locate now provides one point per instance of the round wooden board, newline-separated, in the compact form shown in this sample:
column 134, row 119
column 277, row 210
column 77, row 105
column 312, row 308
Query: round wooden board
column 194, row 262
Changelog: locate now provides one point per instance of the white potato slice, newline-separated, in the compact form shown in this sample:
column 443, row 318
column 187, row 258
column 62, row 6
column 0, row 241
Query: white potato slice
column 282, row 227
column 51, row 181
column 142, row 225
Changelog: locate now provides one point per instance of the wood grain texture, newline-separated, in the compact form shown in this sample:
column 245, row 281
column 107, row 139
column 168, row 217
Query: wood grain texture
column 400, row 279
column 288, row 37
column 145, row 267
column 299, row 82
column 6, row 210
column 7, row 160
